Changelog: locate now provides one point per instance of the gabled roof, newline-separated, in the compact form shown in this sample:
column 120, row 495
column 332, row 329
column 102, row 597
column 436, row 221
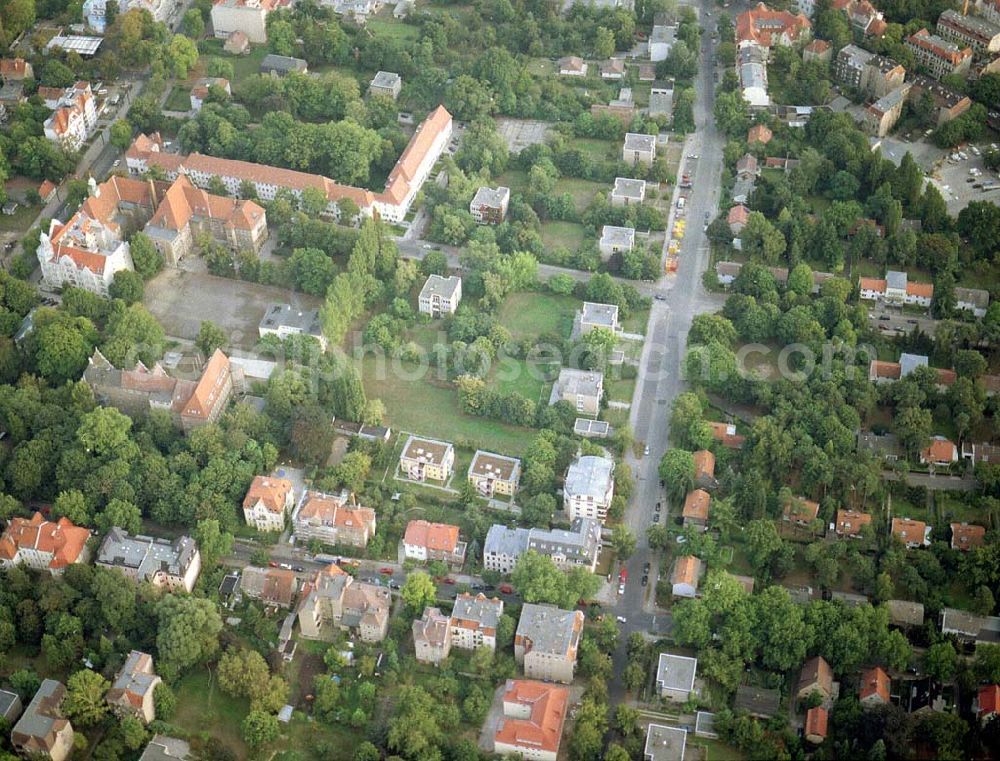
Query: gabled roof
column 799, row 509
column 440, row 537
column 939, row 450
column 989, row 700
column 687, row 570
column 542, row 730
column 697, row 504
column 270, row 491
column 739, row 214
column 874, row 683
column 816, row 671
column 704, row 464
column 850, row 522
column 816, row 722
column 908, row 530
column 61, row 539
column 760, row 133
column 965, row 536
column 210, row 387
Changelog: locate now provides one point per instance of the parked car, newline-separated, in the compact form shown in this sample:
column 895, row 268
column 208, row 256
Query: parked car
column 645, row 580
column 621, row 619
column 506, row 589
column 298, row 569
column 449, row 580
column 656, row 517
column 386, row 571
column 273, row 564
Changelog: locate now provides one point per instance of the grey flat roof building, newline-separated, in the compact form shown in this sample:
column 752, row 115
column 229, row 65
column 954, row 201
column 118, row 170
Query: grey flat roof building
column 385, row 80
column 494, row 198
column 675, row 672
column 284, row 318
column 444, row 287
column 636, row 141
column 910, row 362
column 620, row 236
column 664, row 743
column 661, row 101
column 626, row 187
column 895, row 279
column 589, row 476
column 146, row 555
column 579, row 382
column 600, row 315
column 551, row 630
column 163, row 748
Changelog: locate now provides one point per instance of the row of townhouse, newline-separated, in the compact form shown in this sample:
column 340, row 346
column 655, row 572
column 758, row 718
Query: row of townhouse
column 392, row 204
column 896, row 288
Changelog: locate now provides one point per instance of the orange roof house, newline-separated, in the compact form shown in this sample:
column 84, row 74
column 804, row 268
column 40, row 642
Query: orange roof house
column 334, row 519
column 965, row 536
column 270, row 492
column 850, row 522
column 738, row 215
column 816, row 724
column 989, row 701
column 433, row 541
column 46, row 190
column 726, row 433
column 940, row 451
column 43, row 545
column 687, row 572
column 704, row 466
column 922, row 290
column 15, row 68
column 767, row 27
column 910, row 532
column 801, row 511
column 532, row 721
column 759, row 133
column 874, row 687
column 872, row 285
column 696, row 507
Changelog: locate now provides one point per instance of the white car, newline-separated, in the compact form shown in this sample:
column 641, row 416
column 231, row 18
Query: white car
column 621, row 619
column 621, row 589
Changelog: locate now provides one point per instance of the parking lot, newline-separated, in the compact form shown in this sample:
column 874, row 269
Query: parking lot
column 959, row 173
column 181, row 300
column 520, row 133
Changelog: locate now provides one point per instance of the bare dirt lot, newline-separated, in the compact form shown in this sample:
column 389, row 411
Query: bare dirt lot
column 181, row 300
column 520, row 133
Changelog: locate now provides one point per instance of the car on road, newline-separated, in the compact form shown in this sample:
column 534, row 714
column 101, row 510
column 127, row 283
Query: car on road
column 393, row 584
column 273, row 564
column 658, row 506
column 645, row 450
column 118, row 162
column 449, row 580
column 298, row 569
column 285, row 566
column 646, row 566
column 656, row 517
column 506, row 589
column 660, row 297
column 621, row 619
column 645, row 580
column 621, row 588
column 386, row 571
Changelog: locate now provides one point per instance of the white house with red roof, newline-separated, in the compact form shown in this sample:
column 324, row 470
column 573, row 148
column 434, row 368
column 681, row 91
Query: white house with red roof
column 74, row 119
column 43, row 545
column 267, row 502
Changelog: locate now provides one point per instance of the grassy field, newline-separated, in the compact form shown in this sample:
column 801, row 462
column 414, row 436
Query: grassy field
column 529, row 314
column 599, row 150
column 20, row 220
column 391, row 28
column 432, row 408
column 178, row 100
column 568, row 235
column 636, row 322
column 244, row 66
column 527, row 379
column 583, row 191
column 621, row 390
column 203, row 708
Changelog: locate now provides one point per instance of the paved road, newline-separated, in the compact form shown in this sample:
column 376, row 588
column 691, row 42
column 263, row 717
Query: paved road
column 659, row 381
column 931, row 482
column 892, row 322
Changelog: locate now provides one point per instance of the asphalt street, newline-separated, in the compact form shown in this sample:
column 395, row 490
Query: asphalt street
column 660, row 379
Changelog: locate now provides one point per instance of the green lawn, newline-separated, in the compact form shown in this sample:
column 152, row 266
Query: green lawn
column 568, row 235
column 396, row 29
column 621, row 390
column 244, row 66
column 431, row 407
column 178, row 100
column 583, row 191
column 528, row 314
column 636, row 322
column 20, row 220
column 527, row 379
column 203, row 707
column 599, row 150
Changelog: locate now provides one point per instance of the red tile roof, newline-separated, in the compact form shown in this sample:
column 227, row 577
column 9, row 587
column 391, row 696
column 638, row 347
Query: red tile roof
column 925, row 290
column 13, row 68
column 726, row 433
column 908, row 530
column 272, row 492
column 816, row 722
column 850, row 522
column 764, row 26
column 739, row 214
column 760, row 133
column 704, row 464
column 989, row 700
column 210, row 389
column 797, row 509
column 542, row 731
column 686, row 570
column 872, row 284
column 875, row 683
column 965, row 536
column 697, row 504
column 890, row 370
column 921, row 39
column 440, row 537
column 61, row 539
column 940, row 450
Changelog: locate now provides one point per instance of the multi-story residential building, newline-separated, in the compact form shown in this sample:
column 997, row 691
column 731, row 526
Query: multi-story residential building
column 661, row 101
column 131, row 693
column 334, row 601
column 850, row 65
column 576, row 548
column 593, row 315
column 872, row 75
column 751, row 69
column 975, row 300
column 863, row 17
column 489, row 205
column 584, row 389
column 358, row 10
column 686, row 576
column 628, row 192
column 531, row 726
column 474, row 621
column 882, row 115
column 135, row 392
column 43, row 731
column 440, row 295
column 432, row 636
column 661, row 41
column 817, row 50
column 246, row 16
column 665, row 743
column 589, row 488
column 546, row 642
column 639, row 149
column 493, row 474
column 187, row 212
column 425, row 541
column 201, row 88
column 95, row 11
column 333, row 519
column 938, row 56
column 386, row 83
column 89, row 250
column 982, row 35
column 988, row 9
column 284, row 320
column 949, row 103
column 675, row 677
column 392, row 204
column 274, row 587
column 616, row 240
column 43, row 545
column 424, row 459
column 268, row 500
column 74, row 119
column 769, row 28
column 896, row 288
column 173, row 565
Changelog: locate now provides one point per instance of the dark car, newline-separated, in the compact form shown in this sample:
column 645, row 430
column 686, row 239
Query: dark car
column 298, row 569
column 646, row 567
column 488, row 587
column 645, row 580
column 656, row 517
column 658, row 506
